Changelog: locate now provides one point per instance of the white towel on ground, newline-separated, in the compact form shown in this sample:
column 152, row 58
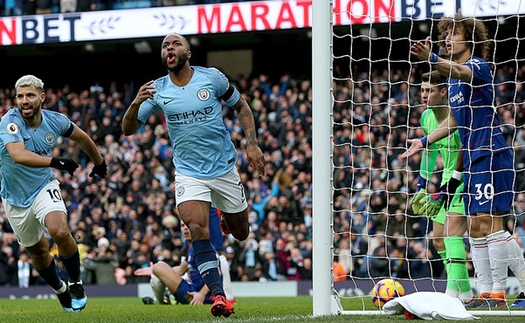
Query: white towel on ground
column 429, row 306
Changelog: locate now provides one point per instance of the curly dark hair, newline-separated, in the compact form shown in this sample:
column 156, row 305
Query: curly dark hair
column 475, row 32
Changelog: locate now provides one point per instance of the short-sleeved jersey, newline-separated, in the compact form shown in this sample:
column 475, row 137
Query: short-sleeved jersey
column 21, row 184
column 448, row 148
column 201, row 145
column 473, row 107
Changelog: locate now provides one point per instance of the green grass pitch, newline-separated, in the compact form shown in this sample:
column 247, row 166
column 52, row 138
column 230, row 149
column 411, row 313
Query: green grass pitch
column 249, row 309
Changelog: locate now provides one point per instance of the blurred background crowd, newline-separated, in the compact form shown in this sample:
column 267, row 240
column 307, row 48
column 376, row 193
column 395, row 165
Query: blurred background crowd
column 128, row 220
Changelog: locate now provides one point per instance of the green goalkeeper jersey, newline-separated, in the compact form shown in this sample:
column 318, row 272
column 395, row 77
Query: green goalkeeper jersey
column 448, row 148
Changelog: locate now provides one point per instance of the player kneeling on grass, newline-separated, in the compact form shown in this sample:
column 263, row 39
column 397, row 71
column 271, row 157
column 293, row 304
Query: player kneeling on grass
column 184, row 282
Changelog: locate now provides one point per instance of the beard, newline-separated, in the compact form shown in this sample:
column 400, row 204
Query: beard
column 29, row 116
column 181, row 61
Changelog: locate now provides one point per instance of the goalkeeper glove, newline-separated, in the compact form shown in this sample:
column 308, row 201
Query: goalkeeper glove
column 100, row 170
column 442, row 197
column 421, row 196
column 418, row 201
column 64, row 164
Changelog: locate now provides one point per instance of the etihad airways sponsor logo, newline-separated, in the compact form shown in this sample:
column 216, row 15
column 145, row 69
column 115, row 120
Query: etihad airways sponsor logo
column 189, row 117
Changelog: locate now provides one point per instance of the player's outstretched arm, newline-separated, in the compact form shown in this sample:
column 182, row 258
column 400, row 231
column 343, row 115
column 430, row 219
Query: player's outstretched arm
column 253, row 152
column 443, row 130
column 415, row 146
column 144, row 271
column 130, row 121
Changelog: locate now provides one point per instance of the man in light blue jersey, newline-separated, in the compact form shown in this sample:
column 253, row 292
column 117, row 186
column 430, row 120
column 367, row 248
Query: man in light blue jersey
column 190, row 97
column 487, row 162
column 31, row 191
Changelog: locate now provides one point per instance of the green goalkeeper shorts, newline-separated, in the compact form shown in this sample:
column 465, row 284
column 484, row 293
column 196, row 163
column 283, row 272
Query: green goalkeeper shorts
column 457, row 206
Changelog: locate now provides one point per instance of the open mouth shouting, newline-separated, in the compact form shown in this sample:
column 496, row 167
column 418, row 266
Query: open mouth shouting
column 170, row 58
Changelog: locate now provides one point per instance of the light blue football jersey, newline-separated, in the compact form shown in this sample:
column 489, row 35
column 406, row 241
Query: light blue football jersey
column 21, row 184
column 201, row 145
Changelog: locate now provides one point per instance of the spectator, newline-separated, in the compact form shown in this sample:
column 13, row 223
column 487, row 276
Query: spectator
column 338, row 270
column 124, row 155
column 379, row 264
column 103, row 264
column 24, row 270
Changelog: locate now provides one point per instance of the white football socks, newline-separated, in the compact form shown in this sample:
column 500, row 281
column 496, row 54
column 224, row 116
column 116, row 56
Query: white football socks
column 498, row 256
column 481, row 262
column 516, row 260
column 158, row 288
column 226, row 278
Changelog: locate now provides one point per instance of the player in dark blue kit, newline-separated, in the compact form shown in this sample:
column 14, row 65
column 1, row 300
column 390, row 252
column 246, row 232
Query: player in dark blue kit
column 159, row 286
column 191, row 99
column 184, row 282
column 487, row 162
column 31, row 192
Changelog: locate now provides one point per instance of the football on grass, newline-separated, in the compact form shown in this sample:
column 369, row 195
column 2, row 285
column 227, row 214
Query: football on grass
column 385, row 290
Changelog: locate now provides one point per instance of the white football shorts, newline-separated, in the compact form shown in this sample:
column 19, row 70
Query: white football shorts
column 225, row 193
column 28, row 222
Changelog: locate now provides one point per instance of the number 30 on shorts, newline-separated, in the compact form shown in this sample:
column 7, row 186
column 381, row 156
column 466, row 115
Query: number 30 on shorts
column 484, row 191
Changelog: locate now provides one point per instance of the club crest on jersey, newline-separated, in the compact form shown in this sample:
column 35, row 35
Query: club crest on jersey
column 49, row 138
column 12, row 128
column 203, row 94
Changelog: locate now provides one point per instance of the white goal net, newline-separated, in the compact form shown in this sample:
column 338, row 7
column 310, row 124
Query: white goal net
column 367, row 103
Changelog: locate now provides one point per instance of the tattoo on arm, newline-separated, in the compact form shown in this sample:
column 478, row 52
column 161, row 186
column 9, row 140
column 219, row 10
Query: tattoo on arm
column 248, row 124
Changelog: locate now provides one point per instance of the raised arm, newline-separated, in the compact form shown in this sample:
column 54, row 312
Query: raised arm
column 130, row 121
column 445, row 67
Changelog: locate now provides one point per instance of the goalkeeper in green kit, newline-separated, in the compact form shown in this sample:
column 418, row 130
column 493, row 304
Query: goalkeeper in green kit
column 450, row 222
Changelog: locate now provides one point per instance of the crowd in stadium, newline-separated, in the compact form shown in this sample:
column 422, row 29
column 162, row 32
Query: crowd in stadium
column 125, row 221
column 128, row 219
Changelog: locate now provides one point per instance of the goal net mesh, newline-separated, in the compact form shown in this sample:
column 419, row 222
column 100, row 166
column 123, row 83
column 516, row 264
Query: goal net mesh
column 377, row 106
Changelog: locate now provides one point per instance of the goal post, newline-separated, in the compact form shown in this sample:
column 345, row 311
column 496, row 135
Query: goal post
column 359, row 47
column 322, row 145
